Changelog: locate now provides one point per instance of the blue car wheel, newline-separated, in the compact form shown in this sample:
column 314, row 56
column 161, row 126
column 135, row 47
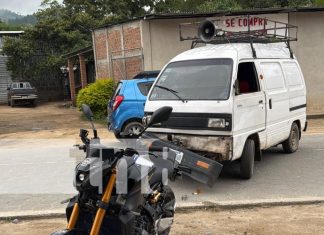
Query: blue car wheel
column 132, row 130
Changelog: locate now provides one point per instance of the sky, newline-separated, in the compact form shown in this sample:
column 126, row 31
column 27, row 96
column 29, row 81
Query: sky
column 23, row 7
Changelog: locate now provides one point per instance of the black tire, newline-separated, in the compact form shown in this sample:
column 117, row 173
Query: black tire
column 117, row 135
column 132, row 130
column 34, row 103
column 247, row 159
column 12, row 103
column 292, row 143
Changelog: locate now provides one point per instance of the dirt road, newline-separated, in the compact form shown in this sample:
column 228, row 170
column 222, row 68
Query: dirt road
column 286, row 220
column 49, row 120
column 55, row 120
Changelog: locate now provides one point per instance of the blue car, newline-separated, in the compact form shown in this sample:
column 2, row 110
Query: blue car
column 126, row 107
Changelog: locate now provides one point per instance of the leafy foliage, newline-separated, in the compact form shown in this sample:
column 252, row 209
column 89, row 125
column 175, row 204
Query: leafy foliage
column 96, row 96
column 5, row 26
column 215, row 5
column 26, row 20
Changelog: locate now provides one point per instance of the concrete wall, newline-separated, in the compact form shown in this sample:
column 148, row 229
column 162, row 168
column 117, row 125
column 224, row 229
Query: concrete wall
column 161, row 41
column 309, row 51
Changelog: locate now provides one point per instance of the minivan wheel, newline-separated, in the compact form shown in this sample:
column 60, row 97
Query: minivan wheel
column 247, row 159
column 34, row 103
column 133, row 129
column 292, row 143
column 12, row 103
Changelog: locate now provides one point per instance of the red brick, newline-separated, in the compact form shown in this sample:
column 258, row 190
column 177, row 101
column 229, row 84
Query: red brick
column 100, row 46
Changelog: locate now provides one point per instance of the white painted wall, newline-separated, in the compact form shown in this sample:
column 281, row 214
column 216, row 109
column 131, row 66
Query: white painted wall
column 309, row 50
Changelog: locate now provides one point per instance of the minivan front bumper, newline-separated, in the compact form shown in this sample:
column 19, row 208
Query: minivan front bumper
column 216, row 147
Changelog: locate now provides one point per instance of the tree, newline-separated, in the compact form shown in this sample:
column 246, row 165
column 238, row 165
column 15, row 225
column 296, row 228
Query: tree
column 8, row 27
column 216, row 5
column 62, row 28
column 319, row 2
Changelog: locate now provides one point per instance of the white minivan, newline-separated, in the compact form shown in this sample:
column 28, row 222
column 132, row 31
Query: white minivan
column 229, row 104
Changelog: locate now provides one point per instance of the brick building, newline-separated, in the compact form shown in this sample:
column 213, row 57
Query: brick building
column 149, row 42
column 79, row 71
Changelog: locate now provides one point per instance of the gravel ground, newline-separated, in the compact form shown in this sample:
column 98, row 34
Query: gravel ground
column 288, row 220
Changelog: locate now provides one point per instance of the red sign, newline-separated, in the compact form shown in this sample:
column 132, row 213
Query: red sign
column 245, row 22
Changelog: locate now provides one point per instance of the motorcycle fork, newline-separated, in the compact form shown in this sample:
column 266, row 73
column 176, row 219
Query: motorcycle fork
column 74, row 216
column 105, row 199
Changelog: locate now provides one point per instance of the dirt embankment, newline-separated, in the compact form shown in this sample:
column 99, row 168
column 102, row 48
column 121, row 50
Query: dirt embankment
column 49, row 120
column 288, row 220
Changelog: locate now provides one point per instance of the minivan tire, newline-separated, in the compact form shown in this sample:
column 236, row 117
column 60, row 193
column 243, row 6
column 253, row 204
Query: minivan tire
column 131, row 127
column 247, row 159
column 34, row 103
column 12, row 103
column 292, row 143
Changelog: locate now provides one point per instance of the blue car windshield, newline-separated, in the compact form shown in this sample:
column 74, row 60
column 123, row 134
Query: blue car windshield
column 208, row 79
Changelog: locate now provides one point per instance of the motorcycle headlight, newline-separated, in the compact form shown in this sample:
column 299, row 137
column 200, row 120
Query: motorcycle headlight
column 81, row 177
column 217, row 123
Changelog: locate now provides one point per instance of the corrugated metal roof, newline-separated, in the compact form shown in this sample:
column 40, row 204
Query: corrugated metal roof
column 180, row 15
column 10, row 32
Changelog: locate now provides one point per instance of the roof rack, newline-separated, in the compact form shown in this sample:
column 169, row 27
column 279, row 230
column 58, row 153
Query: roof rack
column 212, row 32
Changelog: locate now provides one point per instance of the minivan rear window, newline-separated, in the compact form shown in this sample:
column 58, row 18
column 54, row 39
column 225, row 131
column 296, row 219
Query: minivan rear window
column 207, row 79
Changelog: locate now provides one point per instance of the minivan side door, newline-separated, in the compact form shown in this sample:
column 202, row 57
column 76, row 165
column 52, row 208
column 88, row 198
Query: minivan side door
column 249, row 107
column 277, row 96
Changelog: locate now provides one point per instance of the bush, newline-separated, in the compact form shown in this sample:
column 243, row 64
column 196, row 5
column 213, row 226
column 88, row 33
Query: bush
column 96, row 96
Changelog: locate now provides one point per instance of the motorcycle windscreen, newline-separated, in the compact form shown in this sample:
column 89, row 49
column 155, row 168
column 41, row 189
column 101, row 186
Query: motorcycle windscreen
column 199, row 168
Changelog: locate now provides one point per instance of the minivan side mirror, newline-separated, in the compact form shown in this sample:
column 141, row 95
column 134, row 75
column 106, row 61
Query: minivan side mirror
column 8, row 88
column 237, row 87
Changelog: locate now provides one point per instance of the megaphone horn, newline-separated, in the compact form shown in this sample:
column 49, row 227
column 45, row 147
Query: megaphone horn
column 206, row 31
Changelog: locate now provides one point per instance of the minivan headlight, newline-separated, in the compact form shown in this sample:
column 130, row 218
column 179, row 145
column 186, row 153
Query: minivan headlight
column 217, row 123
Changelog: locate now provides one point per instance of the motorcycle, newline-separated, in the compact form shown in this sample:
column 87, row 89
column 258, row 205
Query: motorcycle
column 130, row 212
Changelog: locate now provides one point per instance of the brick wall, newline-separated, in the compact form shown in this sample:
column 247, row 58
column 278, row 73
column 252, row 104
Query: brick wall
column 133, row 66
column 100, row 50
column 118, row 51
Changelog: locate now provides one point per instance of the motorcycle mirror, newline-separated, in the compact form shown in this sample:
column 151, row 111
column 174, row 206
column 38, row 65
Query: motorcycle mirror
column 160, row 115
column 87, row 112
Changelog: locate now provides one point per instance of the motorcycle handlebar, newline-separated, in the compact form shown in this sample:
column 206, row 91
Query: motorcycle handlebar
column 158, row 149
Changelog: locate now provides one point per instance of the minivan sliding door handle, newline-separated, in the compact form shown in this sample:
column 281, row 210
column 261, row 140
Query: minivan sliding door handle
column 260, row 101
column 270, row 103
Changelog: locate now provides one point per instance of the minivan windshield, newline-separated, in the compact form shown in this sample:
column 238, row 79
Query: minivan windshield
column 208, row 79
